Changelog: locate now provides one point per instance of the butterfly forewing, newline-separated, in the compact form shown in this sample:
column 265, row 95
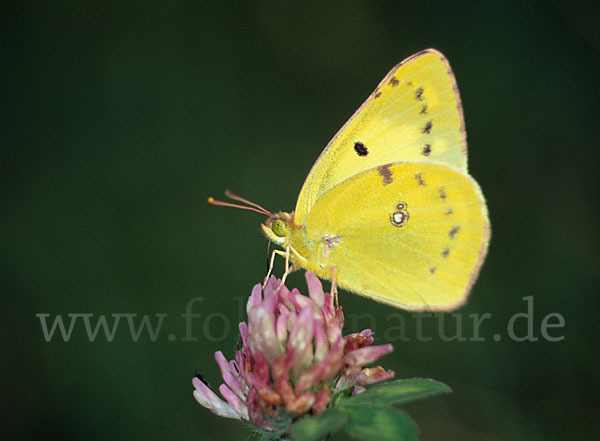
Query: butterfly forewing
column 412, row 235
column 414, row 115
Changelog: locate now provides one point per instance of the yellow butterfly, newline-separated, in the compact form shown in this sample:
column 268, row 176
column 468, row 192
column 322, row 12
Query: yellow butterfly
column 388, row 210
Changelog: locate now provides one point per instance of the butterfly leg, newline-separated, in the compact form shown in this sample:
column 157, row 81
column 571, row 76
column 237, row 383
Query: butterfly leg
column 288, row 269
column 272, row 263
column 333, row 293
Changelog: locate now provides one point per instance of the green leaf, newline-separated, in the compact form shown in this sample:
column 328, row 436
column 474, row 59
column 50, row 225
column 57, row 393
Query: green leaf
column 311, row 428
column 380, row 423
column 397, row 392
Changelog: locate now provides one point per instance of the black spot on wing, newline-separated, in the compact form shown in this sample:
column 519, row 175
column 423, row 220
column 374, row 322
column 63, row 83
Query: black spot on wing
column 394, row 82
column 361, row 149
column 426, row 150
column 453, row 231
column 377, row 95
column 427, row 127
column 442, row 193
column 386, row 174
column 445, row 252
column 419, row 94
column 419, row 179
column 423, row 109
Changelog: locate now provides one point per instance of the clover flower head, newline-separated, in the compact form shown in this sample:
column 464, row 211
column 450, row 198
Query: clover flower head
column 294, row 358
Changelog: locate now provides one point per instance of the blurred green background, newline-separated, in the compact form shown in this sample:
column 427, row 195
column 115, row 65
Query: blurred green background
column 120, row 118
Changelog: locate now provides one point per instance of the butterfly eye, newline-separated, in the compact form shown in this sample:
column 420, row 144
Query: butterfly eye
column 278, row 227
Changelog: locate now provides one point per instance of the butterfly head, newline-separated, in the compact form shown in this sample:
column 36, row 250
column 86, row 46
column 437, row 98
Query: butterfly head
column 277, row 227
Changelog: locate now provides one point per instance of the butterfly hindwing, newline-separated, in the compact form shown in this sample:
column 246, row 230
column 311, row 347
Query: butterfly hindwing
column 412, row 235
column 414, row 115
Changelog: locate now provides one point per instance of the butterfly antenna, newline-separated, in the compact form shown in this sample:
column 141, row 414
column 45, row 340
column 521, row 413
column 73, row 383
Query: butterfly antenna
column 213, row 201
column 235, row 197
column 253, row 207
